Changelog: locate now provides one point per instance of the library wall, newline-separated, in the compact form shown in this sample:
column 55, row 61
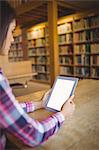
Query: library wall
column 78, row 42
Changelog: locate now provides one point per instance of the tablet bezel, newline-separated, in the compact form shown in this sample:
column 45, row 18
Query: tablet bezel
column 72, row 92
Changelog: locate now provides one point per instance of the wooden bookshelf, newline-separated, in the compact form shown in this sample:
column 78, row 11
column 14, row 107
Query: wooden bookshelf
column 86, row 46
column 78, row 43
column 16, row 50
column 38, row 52
column 65, row 40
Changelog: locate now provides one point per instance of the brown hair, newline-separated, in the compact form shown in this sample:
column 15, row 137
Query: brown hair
column 7, row 14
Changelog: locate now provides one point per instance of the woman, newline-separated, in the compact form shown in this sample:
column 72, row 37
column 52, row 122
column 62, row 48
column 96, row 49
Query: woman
column 13, row 116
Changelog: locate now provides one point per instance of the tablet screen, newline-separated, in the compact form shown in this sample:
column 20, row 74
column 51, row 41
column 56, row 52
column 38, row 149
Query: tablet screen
column 61, row 91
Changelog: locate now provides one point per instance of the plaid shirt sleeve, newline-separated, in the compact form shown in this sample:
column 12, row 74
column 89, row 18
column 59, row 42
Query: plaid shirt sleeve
column 28, row 106
column 17, row 122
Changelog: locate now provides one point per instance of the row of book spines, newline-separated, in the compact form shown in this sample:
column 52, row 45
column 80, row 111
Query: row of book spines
column 41, row 69
column 76, row 71
column 82, row 48
column 16, row 47
column 83, row 59
column 63, row 52
column 37, row 43
column 35, row 53
column 41, row 51
column 31, row 35
column 44, row 31
column 79, row 24
column 65, row 38
column 88, row 48
column 12, row 59
column 84, row 71
column 41, row 60
column 15, row 54
column 66, row 27
column 17, row 39
column 68, row 38
column 42, row 77
column 79, row 37
column 82, row 23
column 94, row 72
column 36, row 34
column 86, row 36
column 86, row 23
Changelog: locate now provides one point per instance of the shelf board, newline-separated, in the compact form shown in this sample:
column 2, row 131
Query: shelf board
column 64, row 74
column 94, row 53
column 81, row 65
column 31, row 55
column 43, row 64
column 95, row 66
column 65, row 44
column 68, row 32
column 68, row 65
column 85, row 42
column 42, row 72
column 34, row 39
column 87, row 28
column 43, row 46
column 65, row 54
column 30, row 48
column 39, row 55
column 81, row 76
column 81, row 54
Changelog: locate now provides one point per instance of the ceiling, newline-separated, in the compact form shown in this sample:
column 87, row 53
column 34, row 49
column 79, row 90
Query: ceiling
column 31, row 12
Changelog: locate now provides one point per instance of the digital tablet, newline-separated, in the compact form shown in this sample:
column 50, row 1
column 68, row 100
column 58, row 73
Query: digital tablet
column 62, row 89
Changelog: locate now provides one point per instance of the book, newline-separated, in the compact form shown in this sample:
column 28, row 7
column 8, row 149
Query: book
column 64, row 28
column 94, row 48
column 82, row 71
column 95, row 60
column 95, row 72
column 66, row 70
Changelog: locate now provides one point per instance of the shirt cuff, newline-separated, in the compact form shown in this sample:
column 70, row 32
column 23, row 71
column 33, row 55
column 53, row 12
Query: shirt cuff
column 60, row 116
column 28, row 106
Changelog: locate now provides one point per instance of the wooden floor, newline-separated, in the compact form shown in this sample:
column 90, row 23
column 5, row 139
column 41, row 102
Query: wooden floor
column 81, row 132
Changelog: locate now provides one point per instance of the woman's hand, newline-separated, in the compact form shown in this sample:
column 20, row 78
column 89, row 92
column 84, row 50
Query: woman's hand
column 41, row 104
column 45, row 97
column 68, row 108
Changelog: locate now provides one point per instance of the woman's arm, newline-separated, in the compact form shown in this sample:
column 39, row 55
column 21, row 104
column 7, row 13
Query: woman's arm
column 14, row 119
column 34, row 105
column 31, row 106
